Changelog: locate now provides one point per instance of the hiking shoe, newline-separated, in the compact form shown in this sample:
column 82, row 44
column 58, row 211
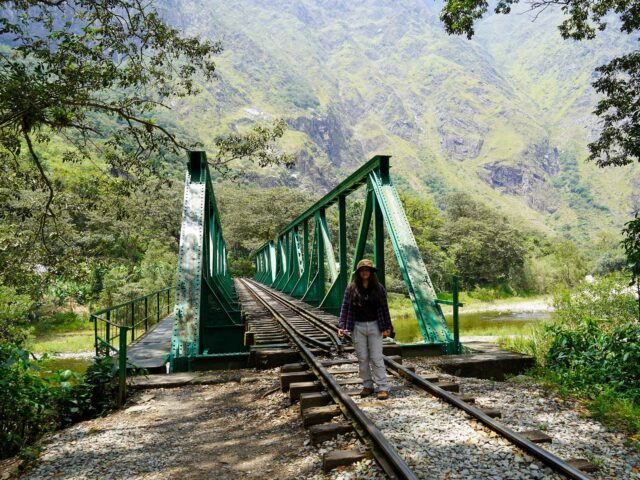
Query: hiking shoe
column 383, row 395
column 366, row 392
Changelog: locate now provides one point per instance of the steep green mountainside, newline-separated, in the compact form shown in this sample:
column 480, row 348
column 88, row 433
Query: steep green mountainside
column 505, row 117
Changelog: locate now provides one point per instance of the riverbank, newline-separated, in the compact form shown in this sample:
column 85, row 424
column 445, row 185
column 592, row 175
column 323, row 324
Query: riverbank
column 499, row 318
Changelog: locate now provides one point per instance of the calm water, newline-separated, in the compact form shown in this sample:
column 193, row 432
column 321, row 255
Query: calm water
column 479, row 323
column 79, row 365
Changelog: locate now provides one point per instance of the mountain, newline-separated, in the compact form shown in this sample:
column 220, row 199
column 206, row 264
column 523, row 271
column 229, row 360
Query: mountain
column 505, row 116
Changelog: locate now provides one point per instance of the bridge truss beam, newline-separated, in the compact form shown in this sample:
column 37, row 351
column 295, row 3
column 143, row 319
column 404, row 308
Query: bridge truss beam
column 208, row 327
column 309, row 270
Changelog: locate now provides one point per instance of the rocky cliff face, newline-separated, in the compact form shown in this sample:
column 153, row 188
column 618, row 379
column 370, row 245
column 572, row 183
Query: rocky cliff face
column 529, row 176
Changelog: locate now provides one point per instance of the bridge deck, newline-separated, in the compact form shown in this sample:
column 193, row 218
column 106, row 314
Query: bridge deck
column 152, row 350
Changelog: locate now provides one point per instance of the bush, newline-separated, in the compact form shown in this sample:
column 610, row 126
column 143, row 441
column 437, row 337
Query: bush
column 595, row 345
column 31, row 405
column 14, row 311
column 486, row 294
column 80, row 398
column 594, row 359
column 25, row 401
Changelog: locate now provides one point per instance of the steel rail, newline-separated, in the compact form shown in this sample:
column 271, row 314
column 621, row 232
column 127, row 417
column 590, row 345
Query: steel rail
column 314, row 341
column 321, row 324
column 523, row 443
column 546, row 457
column 385, row 454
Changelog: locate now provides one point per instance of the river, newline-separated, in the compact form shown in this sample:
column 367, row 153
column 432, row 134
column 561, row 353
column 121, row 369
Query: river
column 483, row 323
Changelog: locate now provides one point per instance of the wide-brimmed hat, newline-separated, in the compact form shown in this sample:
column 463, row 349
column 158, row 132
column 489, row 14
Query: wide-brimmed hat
column 366, row 263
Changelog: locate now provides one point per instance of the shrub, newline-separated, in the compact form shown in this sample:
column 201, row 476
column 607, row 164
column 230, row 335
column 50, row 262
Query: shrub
column 607, row 300
column 596, row 339
column 25, row 401
column 595, row 359
column 14, row 311
column 31, row 404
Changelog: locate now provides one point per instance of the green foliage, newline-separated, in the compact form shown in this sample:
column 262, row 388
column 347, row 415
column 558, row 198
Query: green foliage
column 593, row 359
column 631, row 244
column 606, row 300
column 81, row 397
column 614, row 411
column 32, row 404
column 258, row 145
column 592, row 349
column 75, row 67
column 14, row 311
column 490, row 294
column 252, row 216
column 156, row 271
column 61, row 322
column 486, row 249
column 25, row 401
column 535, row 342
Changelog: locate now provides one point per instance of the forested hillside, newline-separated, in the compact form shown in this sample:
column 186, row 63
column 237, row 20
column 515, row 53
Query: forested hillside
column 505, row 117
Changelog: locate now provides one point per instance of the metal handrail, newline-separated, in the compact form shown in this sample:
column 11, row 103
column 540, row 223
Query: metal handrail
column 104, row 310
column 111, row 334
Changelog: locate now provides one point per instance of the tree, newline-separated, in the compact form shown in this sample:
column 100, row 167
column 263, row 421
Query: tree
column 631, row 244
column 252, row 216
column 94, row 73
column 618, row 81
column 486, row 250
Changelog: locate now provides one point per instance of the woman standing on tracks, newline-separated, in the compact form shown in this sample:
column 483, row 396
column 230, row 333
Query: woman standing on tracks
column 365, row 314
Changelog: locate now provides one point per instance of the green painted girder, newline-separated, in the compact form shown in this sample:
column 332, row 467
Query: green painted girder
column 207, row 312
column 305, row 272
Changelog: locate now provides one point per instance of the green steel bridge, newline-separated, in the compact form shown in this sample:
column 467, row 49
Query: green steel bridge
column 199, row 323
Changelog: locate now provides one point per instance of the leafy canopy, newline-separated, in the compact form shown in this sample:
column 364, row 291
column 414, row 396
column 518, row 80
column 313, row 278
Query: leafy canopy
column 94, row 73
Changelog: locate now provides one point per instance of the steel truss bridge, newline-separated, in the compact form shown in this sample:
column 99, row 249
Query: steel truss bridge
column 301, row 261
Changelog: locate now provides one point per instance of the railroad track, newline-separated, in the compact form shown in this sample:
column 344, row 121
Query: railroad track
column 320, row 383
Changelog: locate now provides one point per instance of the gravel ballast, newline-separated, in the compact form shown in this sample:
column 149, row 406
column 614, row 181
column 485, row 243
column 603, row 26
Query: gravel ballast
column 245, row 428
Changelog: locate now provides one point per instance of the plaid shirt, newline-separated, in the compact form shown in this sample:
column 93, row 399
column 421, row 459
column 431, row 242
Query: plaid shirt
column 348, row 311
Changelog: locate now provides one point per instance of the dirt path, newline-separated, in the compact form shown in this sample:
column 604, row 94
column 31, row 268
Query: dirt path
column 223, row 431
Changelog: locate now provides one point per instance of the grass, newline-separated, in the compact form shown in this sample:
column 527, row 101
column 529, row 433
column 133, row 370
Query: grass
column 62, row 332
column 71, row 342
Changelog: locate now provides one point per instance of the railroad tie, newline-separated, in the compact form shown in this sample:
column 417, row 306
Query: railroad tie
column 328, row 431
column 317, row 415
column 340, row 458
column 583, row 464
column 314, row 399
column 286, row 379
column 536, row 436
column 298, row 388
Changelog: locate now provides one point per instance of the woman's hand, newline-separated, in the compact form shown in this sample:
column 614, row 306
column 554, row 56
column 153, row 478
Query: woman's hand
column 341, row 332
column 386, row 333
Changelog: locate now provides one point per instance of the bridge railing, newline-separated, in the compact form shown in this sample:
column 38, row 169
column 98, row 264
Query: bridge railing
column 136, row 316
column 118, row 326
